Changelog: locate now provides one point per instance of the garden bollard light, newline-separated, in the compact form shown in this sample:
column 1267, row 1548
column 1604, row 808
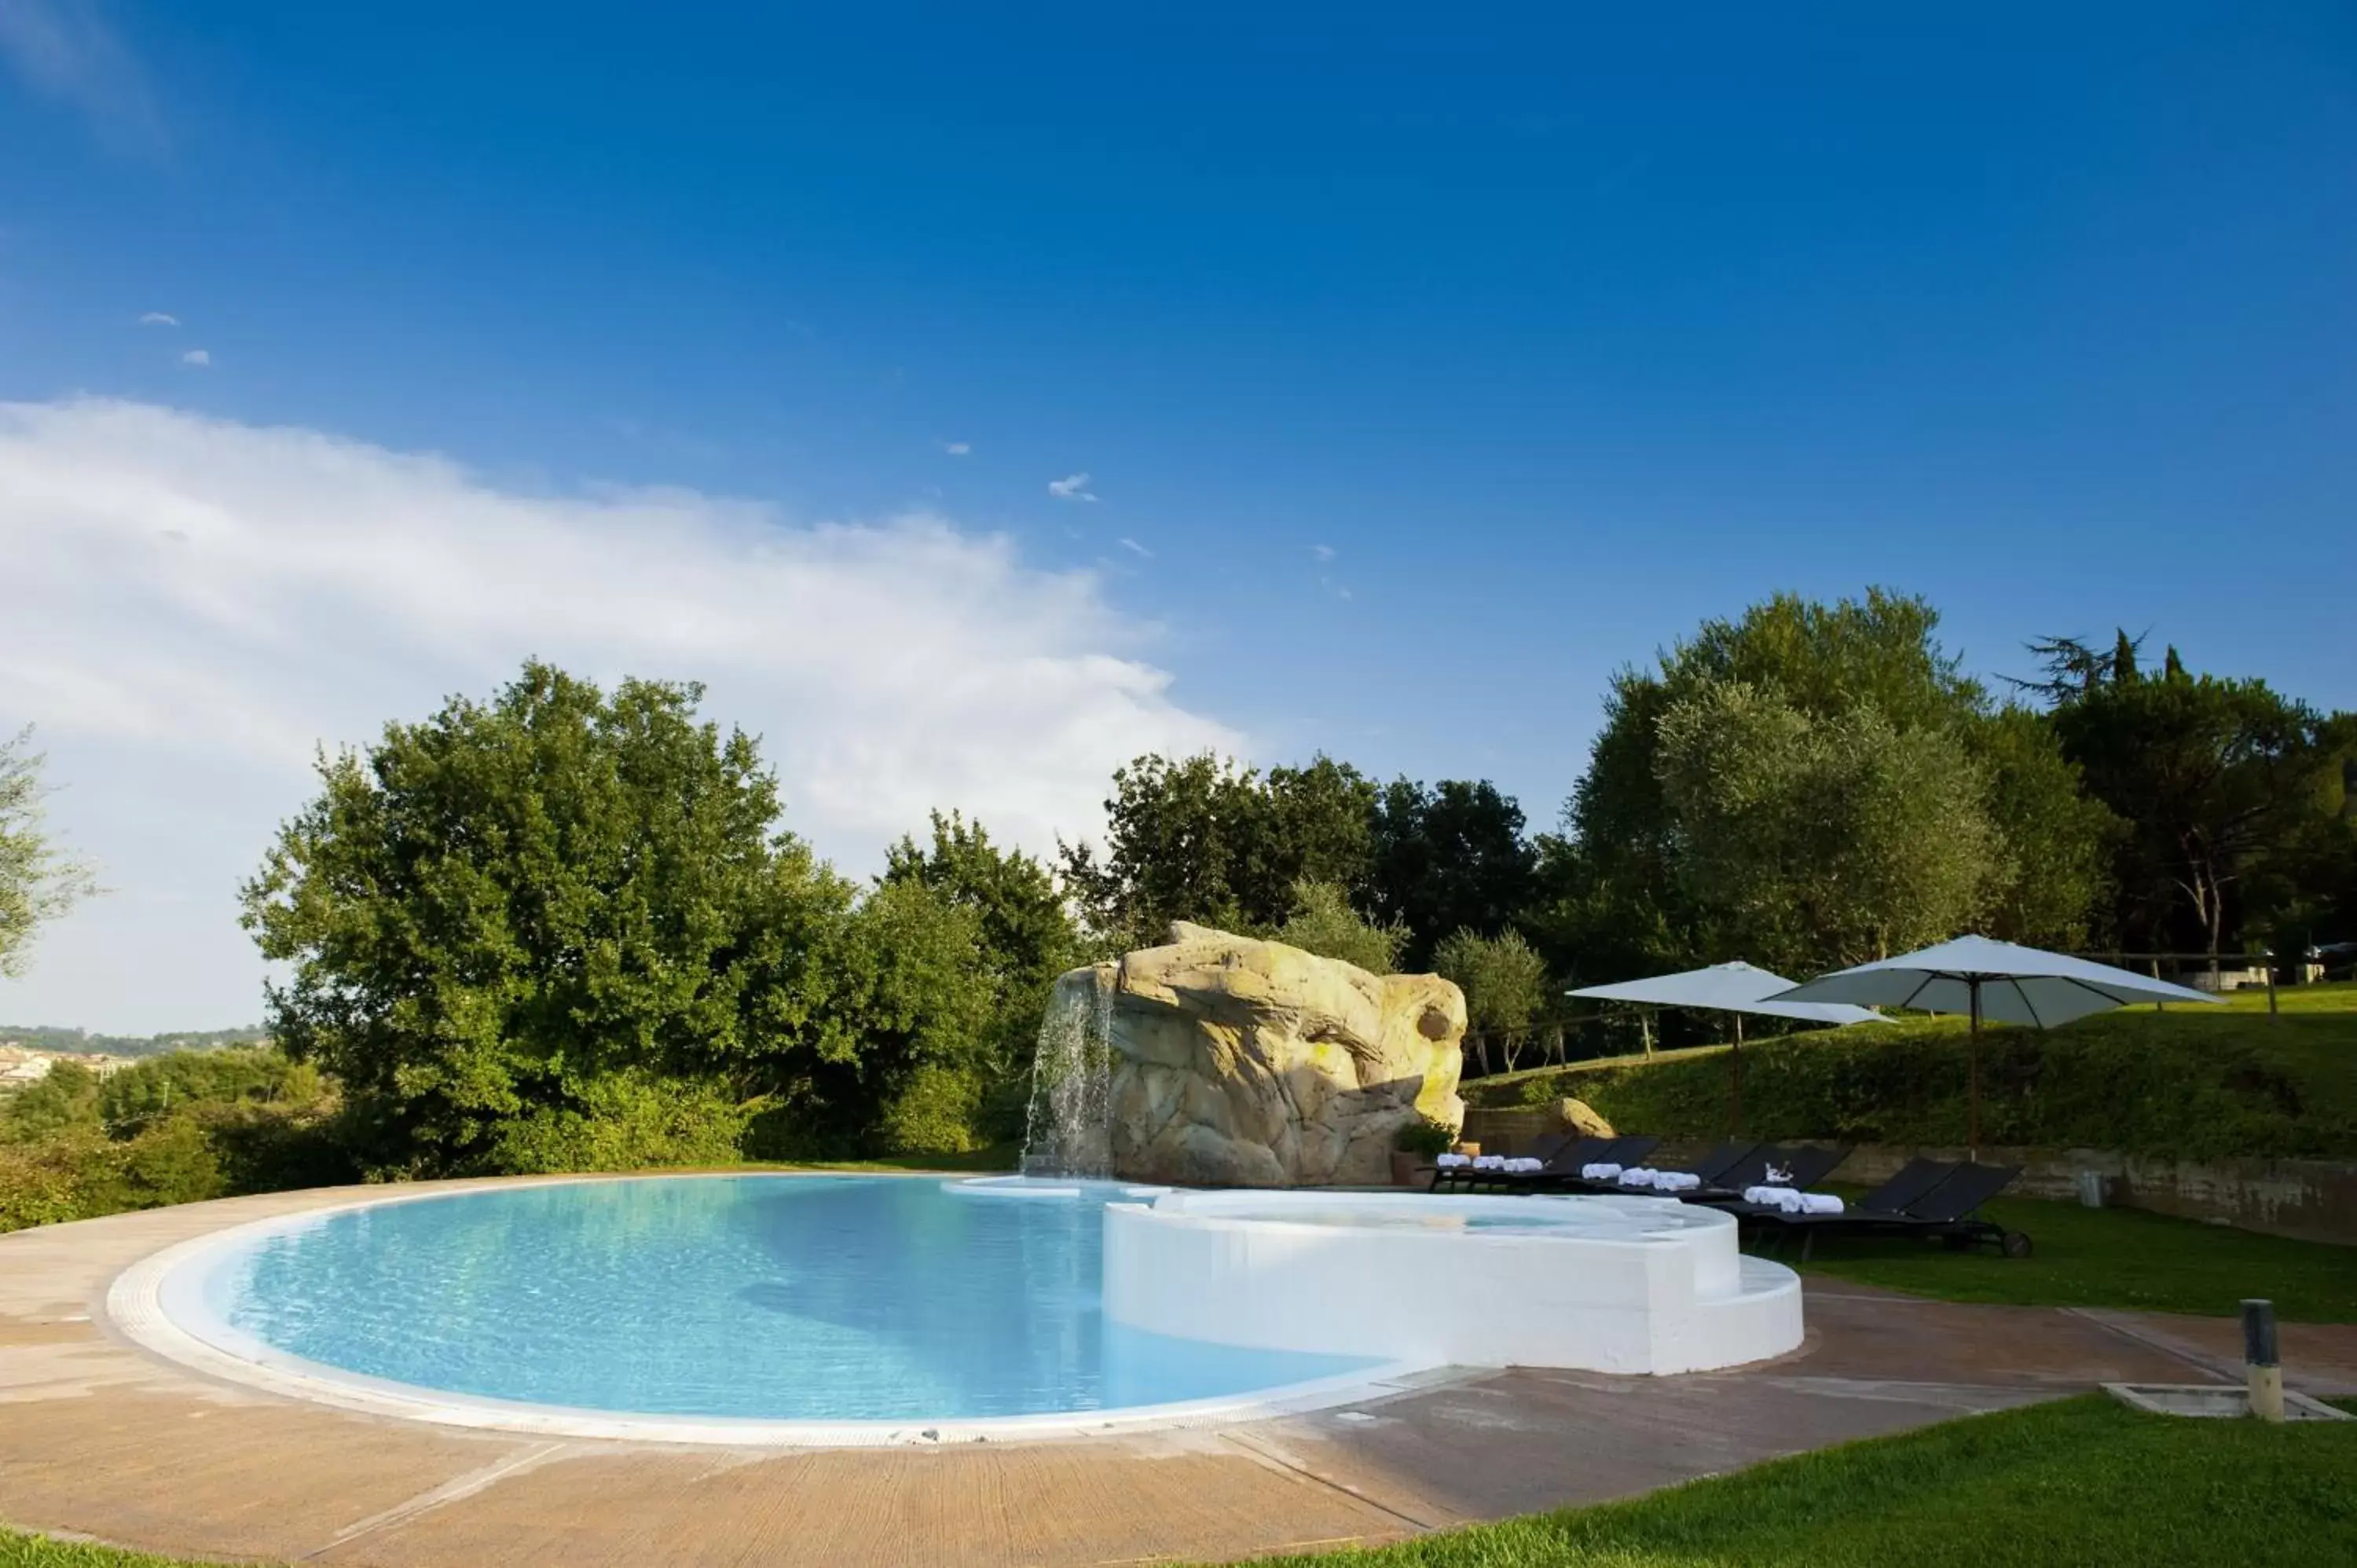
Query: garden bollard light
column 2262, row 1364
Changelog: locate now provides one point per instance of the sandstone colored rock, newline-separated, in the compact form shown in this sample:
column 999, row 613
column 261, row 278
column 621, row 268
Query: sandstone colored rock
column 1582, row 1120
column 1236, row 1062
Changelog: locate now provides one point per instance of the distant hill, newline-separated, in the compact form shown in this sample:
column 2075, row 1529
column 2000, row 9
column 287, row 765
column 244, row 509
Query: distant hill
column 48, row 1037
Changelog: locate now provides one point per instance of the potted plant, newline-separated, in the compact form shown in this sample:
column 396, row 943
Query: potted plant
column 1416, row 1146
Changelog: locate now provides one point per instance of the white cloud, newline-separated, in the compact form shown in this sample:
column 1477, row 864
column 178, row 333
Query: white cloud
column 194, row 605
column 1072, row 488
column 1321, row 552
column 957, row 448
column 1132, row 544
column 153, row 317
column 65, row 50
column 198, row 357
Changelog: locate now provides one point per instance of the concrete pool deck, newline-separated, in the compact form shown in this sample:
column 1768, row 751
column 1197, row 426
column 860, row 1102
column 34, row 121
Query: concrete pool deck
column 101, row 1439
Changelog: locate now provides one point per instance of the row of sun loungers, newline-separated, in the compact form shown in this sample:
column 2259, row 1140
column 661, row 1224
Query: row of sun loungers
column 1764, row 1186
column 1935, row 1199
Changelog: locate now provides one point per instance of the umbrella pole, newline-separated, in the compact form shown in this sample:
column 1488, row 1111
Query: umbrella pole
column 1735, row 1080
column 1973, row 1085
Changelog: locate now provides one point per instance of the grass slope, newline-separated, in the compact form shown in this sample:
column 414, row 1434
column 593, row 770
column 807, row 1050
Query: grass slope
column 2190, row 1082
column 2113, row 1258
column 2080, row 1481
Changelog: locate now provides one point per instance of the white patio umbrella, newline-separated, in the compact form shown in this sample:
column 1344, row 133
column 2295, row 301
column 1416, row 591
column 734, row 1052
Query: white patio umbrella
column 1738, row 988
column 1988, row 979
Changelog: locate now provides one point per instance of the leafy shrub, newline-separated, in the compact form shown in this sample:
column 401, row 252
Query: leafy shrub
column 177, row 1128
column 1323, row 922
column 81, row 1174
column 1425, row 1136
column 180, row 1079
column 171, row 1161
column 939, row 1113
column 277, row 1147
column 66, row 1098
column 624, row 1122
column 46, row 1181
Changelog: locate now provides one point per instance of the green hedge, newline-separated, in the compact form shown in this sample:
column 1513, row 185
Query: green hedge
column 2191, row 1086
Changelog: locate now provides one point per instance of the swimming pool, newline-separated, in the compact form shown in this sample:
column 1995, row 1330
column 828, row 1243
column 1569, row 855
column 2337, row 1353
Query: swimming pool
column 761, row 1298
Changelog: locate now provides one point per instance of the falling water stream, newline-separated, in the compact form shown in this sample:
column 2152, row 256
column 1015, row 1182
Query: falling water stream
column 1068, row 1131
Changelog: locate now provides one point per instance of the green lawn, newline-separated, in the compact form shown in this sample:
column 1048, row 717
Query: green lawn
column 2080, row 1481
column 2109, row 1257
column 2336, row 996
column 42, row 1552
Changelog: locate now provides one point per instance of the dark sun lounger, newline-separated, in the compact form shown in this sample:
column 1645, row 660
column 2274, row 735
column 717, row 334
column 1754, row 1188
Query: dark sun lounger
column 1801, row 1166
column 1710, row 1167
column 1925, row 1198
column 1568, row 1153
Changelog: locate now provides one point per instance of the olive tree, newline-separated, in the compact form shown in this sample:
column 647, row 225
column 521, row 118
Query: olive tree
column 1809, row 842
column 39, row 881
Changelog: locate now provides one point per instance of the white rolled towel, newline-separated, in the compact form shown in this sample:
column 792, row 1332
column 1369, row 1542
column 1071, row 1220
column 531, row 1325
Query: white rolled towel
column 1676, row 1181
column 1820, row 1203
column 1489, row 1162
column 1523, row 1164
column 1450, row 1162
column 1639, row 1175
column 1782, row 1197
column 1601, row 1170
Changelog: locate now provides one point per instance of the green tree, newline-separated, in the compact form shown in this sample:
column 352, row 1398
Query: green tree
column 1025, row 938
column 1201, row 839
column 39, row 881
column 1323, row 922
column 1448, row 858
column 2056, row 872
column 492, row 912
column 148, row 1091
column 1809, row 842
column 1617, row 900
column 1618, row 894
column 2218, row 781
column 66, row 1097
column 914, row 989
column 1505, row 985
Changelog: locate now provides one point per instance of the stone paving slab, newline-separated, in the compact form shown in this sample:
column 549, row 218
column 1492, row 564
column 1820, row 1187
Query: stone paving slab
column 2319, row 1358
column 1049, row 1503
column 99, row 1438
column 1528, row 1439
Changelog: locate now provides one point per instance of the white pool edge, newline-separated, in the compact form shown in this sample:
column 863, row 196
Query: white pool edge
column 135, row 1306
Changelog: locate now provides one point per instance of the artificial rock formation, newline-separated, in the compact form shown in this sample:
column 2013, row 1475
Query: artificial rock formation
column 1582, row 1120
column 1236, row 1062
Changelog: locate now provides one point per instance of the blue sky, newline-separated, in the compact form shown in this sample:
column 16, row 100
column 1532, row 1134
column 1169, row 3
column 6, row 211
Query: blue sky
column 1430, row 361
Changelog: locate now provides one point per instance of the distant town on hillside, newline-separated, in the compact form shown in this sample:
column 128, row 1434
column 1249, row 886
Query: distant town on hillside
column 51, row 1038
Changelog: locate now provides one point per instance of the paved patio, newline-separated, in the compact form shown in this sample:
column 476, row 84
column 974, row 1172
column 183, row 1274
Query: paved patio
column 100, row 1439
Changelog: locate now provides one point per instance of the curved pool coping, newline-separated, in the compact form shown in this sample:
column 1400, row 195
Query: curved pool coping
column 135, row 1306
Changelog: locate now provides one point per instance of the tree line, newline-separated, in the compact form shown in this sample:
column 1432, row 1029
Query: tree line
column 567, row 928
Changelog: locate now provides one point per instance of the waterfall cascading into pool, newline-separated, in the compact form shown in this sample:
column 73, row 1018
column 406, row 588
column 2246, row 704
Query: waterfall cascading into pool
column 1068, row 1131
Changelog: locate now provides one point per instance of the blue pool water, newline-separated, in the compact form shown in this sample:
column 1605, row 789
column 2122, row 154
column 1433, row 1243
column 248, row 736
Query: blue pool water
column 775, row 1297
